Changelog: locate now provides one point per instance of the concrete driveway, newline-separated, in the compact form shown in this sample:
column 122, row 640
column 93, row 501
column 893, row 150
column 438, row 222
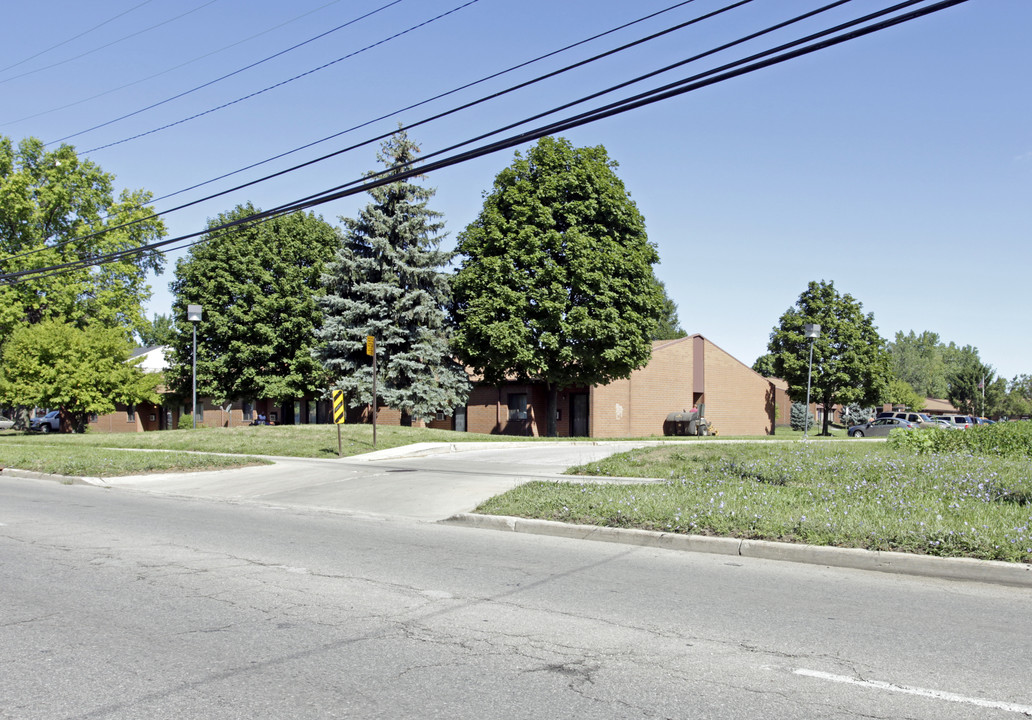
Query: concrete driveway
column 425, row 482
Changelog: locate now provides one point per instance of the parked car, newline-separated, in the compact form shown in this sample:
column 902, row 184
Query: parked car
column 984, row 421
column 959, row 422
column 881, row 427
column 6, row 423
column 921, row 419
column 49, row 422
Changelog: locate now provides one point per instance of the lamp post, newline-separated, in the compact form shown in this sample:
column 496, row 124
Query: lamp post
column 193, row 314
column 812, row 331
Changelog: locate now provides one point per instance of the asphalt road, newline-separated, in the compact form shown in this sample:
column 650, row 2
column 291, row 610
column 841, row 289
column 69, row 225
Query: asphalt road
column 117, row 604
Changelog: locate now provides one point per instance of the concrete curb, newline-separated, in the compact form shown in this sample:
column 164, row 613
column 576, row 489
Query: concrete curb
column 984, row 571
column 63, row 479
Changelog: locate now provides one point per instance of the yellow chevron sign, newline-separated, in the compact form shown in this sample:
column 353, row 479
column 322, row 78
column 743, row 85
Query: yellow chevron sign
column 338, row 407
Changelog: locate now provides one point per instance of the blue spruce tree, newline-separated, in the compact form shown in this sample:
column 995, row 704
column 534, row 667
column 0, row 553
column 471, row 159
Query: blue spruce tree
column 387, row 281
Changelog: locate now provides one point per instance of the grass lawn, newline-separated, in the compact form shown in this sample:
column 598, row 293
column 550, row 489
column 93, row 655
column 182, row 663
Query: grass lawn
column 858, row 494
column 310, row 441
column 103, row 462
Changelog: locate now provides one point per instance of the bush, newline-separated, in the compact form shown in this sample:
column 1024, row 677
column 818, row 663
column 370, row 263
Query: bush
column 800, row 415
column 1004, row 439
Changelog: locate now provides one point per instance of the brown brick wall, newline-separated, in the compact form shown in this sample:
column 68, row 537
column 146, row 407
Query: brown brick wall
column 738, row 400
column 638, row 406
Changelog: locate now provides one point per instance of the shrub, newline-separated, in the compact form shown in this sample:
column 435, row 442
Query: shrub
column 800, row 415
column 1005, row 439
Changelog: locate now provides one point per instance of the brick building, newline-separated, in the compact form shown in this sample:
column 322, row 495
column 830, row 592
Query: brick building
column 682, row 373
column 686, row 372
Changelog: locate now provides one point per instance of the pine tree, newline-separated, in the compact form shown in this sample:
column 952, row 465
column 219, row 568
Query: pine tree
column 387, row 281
column 801, row 418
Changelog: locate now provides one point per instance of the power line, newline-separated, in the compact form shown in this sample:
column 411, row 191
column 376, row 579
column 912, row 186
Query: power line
column 113, row 42
column 75, row 37
column 411, row 125
column 439, row 96
column 284, row 82
column 465, row 106
column 174, row 67
column 229, row 75
column 671, row 90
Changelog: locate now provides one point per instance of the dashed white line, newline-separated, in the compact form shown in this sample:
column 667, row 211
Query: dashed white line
column 923, row 692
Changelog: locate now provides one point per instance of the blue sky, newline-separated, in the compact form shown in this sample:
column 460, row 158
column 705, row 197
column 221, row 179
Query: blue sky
column 898, row 165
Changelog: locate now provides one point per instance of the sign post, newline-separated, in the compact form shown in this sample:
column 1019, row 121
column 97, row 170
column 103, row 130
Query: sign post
column 370, row 348
column 338, row 417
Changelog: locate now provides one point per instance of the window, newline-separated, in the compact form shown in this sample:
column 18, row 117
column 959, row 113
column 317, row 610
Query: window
column 248, row 411
column 518, row 406
column 440, row 416
column 130, row 414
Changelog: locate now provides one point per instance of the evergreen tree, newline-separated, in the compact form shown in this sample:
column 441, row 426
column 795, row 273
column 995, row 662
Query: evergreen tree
column 387, row 281
column 801, row 418
column 669, row 327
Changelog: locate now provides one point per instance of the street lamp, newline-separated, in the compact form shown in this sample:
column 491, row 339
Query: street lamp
column 812, row 331
column 193, row 314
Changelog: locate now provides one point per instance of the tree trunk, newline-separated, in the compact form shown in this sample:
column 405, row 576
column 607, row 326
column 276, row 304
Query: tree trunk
column 551, row 424
column 406, row 419
column 827, row 416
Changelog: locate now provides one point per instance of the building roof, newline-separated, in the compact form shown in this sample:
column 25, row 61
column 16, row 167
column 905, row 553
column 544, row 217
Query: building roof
column 153, row 358
column 937, row 406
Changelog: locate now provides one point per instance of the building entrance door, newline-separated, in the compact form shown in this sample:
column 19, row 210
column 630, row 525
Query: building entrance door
column 579, row 414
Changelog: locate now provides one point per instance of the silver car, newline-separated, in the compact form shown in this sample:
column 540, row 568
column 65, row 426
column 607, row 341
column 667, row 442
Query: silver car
column 881, row 427
column 6, row 423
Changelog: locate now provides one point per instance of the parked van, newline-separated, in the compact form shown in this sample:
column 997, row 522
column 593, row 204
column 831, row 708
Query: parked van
column 922, row 420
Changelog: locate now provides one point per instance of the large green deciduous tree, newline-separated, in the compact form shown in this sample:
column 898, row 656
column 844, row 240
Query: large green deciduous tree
column 55, row 364
column 556, row 283
column 919, row 361
column 850, row 362
column 51, row 205
column 158, row 331
column 256, row 284
column 972, row 383
column 387, row 281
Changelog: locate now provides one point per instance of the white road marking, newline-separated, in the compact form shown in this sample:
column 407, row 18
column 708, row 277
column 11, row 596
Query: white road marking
column 923, row 692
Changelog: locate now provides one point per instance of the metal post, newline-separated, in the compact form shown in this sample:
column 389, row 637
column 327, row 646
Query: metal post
column 806, row 416
column 193, row 406
column 374, row 396
column 812, row 331
column 193, row 314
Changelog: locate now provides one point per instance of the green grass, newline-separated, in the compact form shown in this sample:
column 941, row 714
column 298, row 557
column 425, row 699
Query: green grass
column 860, row 495
column 310, row 441
column 103, row 462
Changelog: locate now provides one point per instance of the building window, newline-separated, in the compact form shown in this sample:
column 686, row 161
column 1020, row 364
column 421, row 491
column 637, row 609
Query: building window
column 248, row 411
column 518, row 406
column 440, row 416
column 94, row 417
column 130, row 414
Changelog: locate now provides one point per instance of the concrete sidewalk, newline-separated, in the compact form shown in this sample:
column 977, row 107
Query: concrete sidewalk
column 444, row 482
